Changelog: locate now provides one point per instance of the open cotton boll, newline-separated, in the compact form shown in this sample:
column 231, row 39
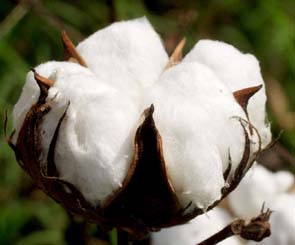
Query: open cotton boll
column 237, row 71
column 95, row 143
column 282, row 221
column 128, row 55
column 196, row 230
column 191, row 106
column 258, row 186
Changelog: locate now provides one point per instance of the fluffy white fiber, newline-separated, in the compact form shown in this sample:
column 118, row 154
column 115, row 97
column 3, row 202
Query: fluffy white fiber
column 237, row 71
column 282, row 221
column 128, row 55
column 259, row 186
column 194, row 111
column 94, row 148
column 196, row 230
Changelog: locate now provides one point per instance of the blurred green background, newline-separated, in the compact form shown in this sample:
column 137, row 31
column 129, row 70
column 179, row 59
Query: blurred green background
column 30, row 34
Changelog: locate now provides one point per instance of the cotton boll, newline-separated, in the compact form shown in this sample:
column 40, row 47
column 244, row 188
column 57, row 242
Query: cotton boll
column 282, row 221
column 258, row 186
column 95, row 143
column 196, row 230
column 128, row 55
column 237, row 71
column 191, row 106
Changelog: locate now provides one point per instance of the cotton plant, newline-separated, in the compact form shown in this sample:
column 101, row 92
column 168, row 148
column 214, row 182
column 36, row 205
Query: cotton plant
column 127, row 137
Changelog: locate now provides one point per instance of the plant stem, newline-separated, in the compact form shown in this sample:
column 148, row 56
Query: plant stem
column 219, row 236
column 257, row 229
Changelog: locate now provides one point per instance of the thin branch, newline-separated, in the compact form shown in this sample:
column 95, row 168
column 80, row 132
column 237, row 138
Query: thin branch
column 223, row 234
column 257, row 229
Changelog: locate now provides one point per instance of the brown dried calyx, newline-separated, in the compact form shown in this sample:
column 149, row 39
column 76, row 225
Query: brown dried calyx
column 146, row 201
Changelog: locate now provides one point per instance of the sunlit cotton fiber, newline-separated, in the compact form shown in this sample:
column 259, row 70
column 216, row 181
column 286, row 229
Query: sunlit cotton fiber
column 94, row 148
column 237, row 70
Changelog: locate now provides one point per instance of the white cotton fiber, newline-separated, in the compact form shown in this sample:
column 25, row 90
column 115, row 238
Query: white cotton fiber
column 282, row 221
column 237, row 71
column 95, row 143
column 29, row 96
column 259, row 186
column 193, row 113
column 128, row 55
column 196, row 230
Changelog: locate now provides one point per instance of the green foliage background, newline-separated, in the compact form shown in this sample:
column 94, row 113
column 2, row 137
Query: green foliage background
column 30, row 34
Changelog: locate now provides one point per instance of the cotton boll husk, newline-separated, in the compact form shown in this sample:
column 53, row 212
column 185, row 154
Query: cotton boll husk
column 95, row 143
column 196, row 230
column 237, row 71
column 258, row 186
column 191, row 108
column 282, row 221
column 128, row 55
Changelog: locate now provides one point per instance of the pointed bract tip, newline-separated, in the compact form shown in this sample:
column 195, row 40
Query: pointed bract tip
column 70, row 52
column 42, row 80
column 149, row 111
column 152, row 108
column 177, row 54
column 178, row 51
column 243, row 96
column 63, row 34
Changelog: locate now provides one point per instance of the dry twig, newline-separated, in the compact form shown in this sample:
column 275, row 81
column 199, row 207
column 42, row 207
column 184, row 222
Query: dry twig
column 257, row 229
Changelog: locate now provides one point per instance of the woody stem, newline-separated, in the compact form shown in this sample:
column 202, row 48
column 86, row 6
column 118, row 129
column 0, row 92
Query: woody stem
column 225, row 233
column 256, row 230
